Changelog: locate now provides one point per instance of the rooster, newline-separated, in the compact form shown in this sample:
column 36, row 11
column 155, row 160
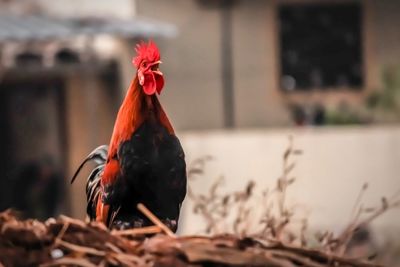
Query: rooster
column 144, row 162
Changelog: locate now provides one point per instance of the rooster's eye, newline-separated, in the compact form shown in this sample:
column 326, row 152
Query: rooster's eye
column 144, row 64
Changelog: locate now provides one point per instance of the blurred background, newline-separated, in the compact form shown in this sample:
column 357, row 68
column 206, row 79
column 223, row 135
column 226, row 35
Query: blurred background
column 241, row 76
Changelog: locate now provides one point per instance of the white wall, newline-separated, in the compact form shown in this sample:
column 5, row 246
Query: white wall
column 335, row 164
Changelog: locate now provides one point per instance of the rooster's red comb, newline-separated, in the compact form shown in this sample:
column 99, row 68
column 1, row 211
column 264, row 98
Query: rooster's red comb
column 148, row 52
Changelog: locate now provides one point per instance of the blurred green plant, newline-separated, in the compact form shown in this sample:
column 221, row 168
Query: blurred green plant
column 380, row 105
column 385, row 103
column 344, row 117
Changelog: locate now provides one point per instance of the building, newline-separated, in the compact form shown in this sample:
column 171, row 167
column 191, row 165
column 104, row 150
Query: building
column 61, row 73
column 285, row 54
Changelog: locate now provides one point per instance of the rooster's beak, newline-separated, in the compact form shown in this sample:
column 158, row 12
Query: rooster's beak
column 157, row 71
column 156, row 63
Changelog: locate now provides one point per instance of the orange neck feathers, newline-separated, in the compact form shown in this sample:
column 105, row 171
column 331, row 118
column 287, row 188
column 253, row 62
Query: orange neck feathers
column 136, row 108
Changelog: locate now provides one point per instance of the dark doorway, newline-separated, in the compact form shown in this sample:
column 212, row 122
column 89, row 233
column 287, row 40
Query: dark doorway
column 31, row 138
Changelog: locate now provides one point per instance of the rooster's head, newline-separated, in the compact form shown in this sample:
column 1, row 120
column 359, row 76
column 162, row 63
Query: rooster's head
column 147, row 62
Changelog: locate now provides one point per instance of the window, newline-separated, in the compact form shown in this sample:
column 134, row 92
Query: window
column 320, row 46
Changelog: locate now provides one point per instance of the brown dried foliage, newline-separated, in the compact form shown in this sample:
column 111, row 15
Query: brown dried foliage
column 219, row 210
column 70, row 242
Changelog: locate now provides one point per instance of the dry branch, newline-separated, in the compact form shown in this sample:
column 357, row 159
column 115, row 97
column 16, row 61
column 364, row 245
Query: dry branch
column 68, row 242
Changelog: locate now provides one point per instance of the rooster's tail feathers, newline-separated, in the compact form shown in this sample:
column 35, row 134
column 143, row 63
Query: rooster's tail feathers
column 99, row 155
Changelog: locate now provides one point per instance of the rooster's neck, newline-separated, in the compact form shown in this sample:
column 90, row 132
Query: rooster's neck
column 136, row 108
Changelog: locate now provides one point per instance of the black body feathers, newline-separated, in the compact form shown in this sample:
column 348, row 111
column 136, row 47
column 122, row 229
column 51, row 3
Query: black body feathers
column 152, row 172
